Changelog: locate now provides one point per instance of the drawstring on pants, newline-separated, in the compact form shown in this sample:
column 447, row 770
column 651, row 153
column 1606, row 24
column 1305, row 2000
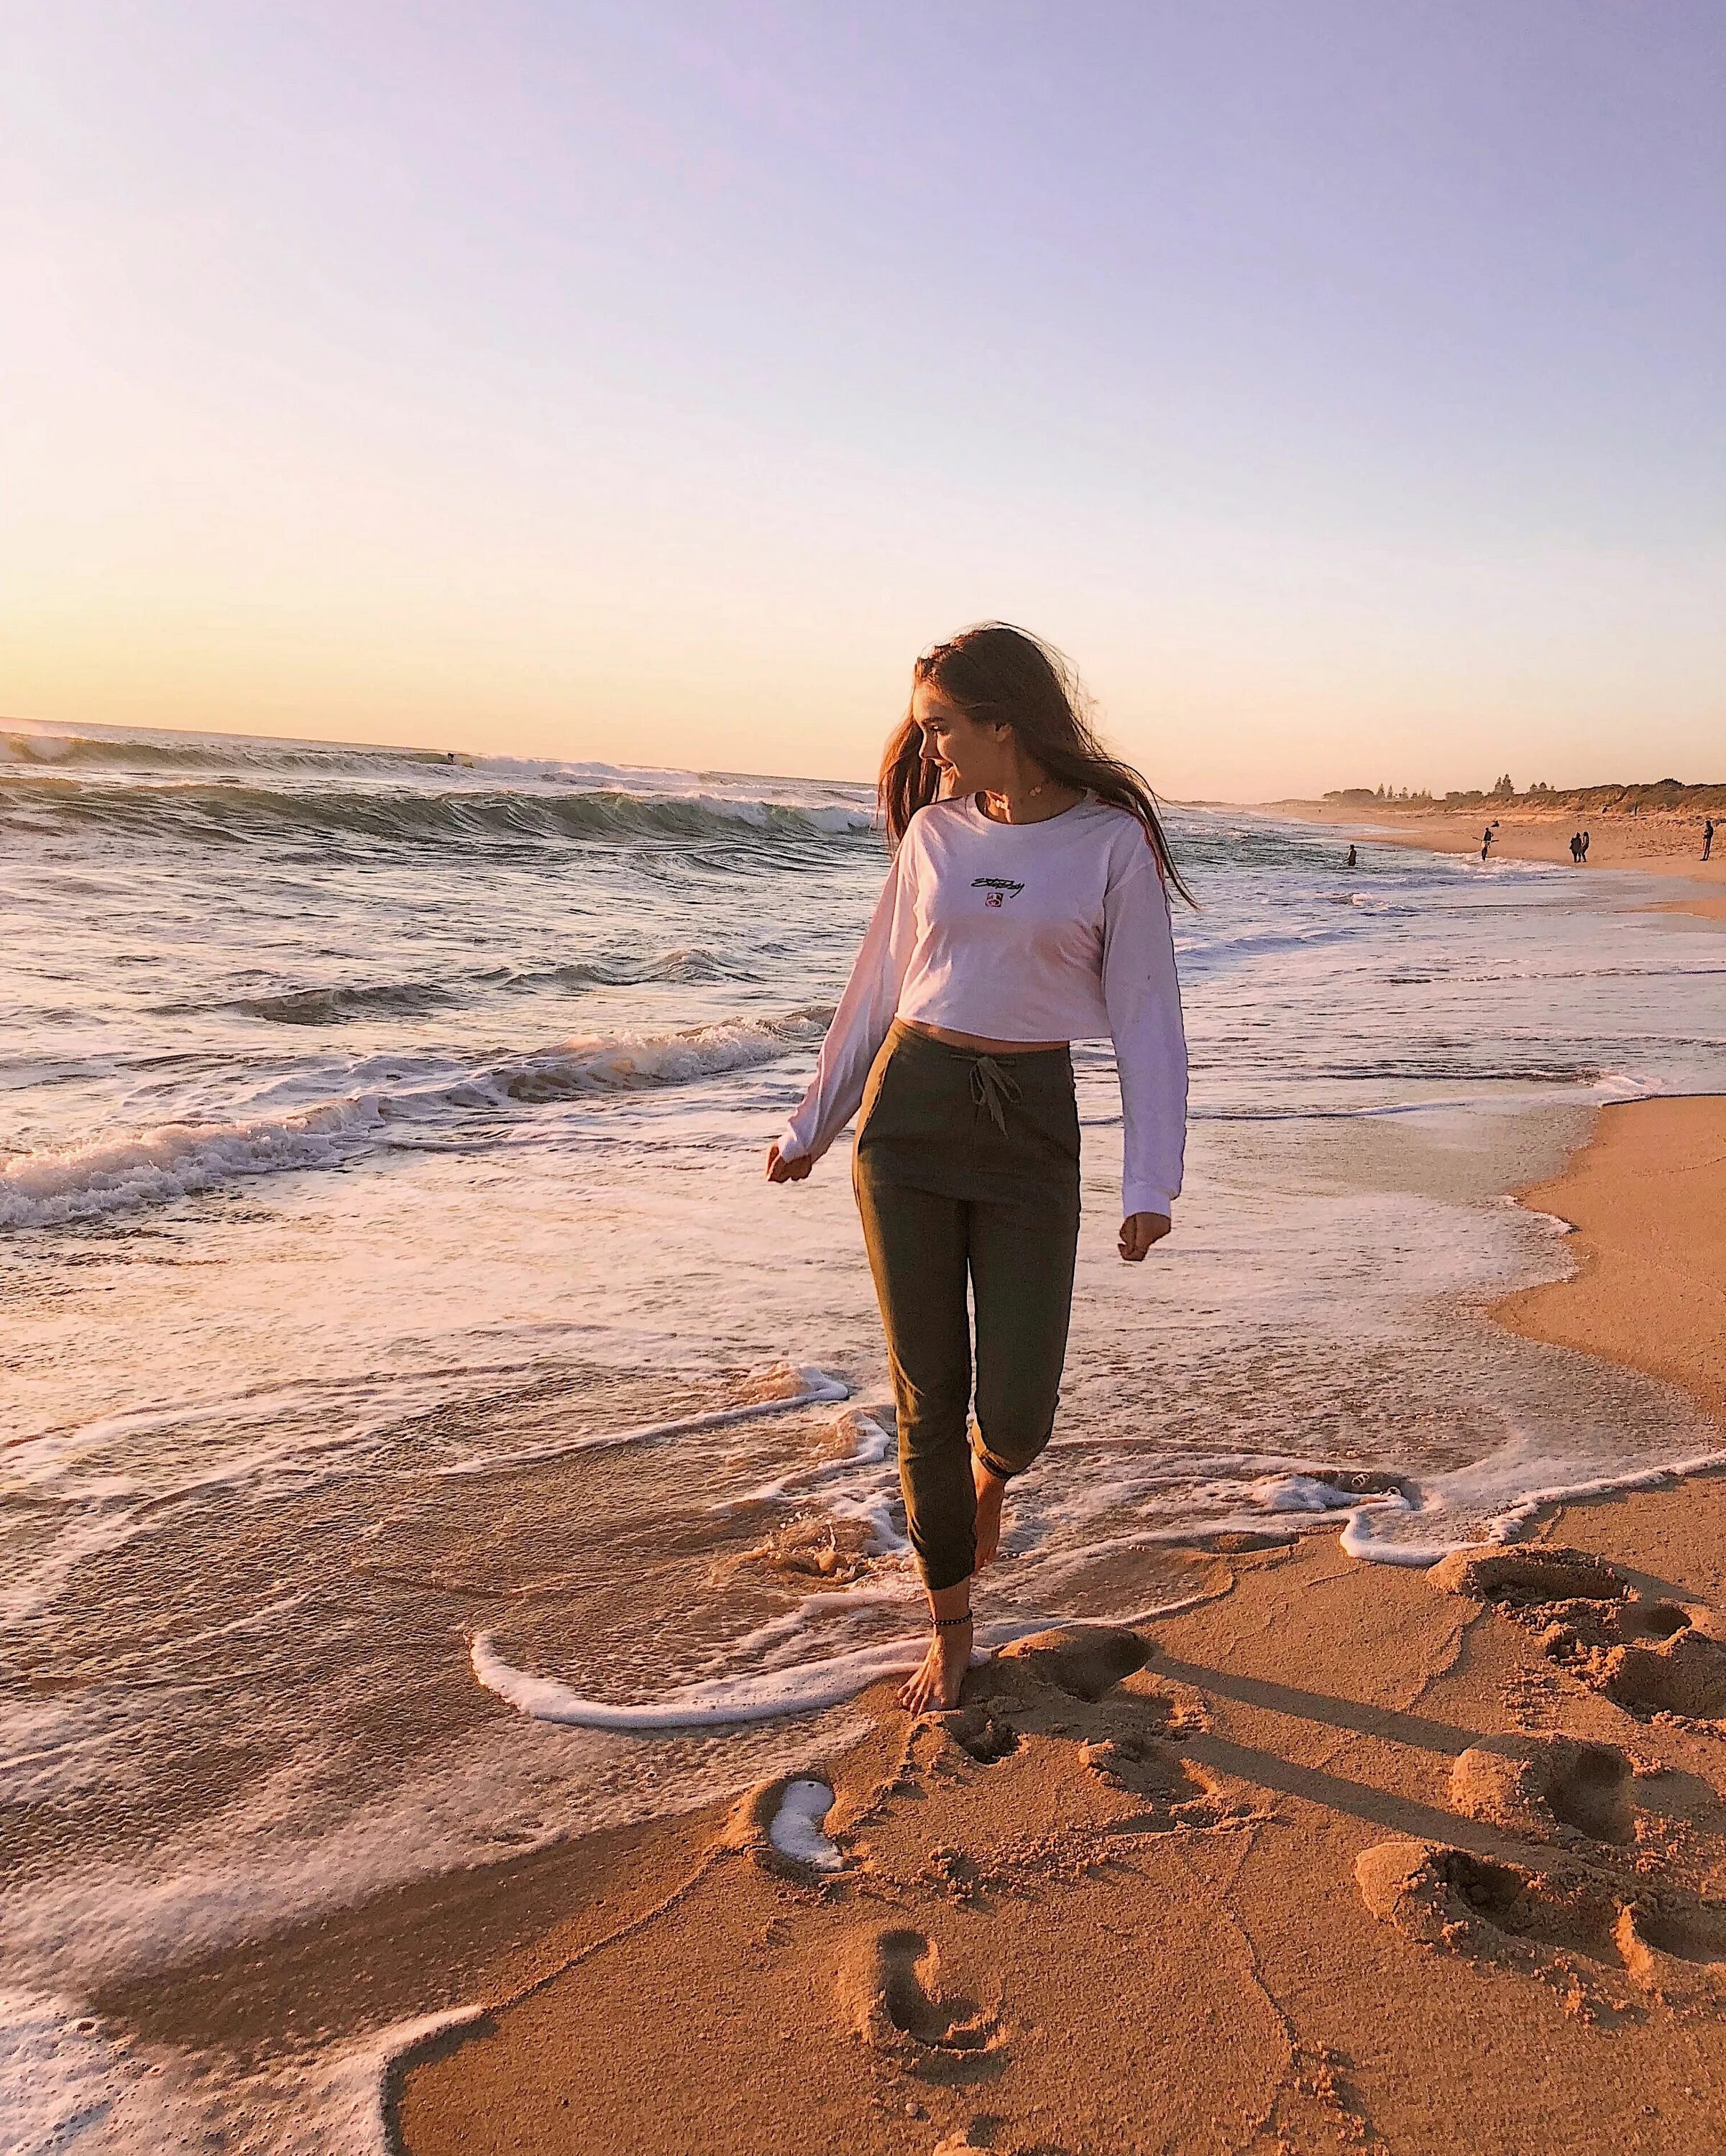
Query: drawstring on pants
column 995, row 1089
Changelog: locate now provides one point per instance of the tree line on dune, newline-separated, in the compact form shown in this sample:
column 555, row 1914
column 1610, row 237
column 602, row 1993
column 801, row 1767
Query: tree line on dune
column 1664, row 797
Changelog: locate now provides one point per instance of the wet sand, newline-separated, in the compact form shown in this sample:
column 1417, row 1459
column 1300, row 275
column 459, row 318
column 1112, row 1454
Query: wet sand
column 1346, row 1856
column 1647, row 1199
column 1656, row 845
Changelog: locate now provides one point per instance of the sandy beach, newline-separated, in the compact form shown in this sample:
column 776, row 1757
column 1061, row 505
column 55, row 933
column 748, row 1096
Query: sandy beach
column 470, row 1476
column 529, row 671
column 1343, row 1855
column 1656, row 843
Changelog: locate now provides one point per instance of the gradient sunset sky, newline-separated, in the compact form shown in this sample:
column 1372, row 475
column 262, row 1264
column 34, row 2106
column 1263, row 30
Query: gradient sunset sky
column 1340, row 382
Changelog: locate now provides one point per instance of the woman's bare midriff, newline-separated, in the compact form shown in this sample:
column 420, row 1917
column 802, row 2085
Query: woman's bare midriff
column 976, row 1042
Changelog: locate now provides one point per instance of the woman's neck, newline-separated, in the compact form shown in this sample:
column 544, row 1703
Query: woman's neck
column 1031, row 799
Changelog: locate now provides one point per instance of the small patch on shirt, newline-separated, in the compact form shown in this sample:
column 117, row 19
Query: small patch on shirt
column 996, row 890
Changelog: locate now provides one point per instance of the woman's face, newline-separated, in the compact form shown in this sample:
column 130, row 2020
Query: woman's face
column 973, row 756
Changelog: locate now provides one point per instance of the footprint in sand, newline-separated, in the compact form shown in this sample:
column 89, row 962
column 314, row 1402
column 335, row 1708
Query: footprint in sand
column 896, row 2004
column 835, row 1551
column 1683, row 1674
column 1675, row 1949
column 1548, row 1788
column 1560, row 1922
column 1517, row 1580
column 981, row 1736
column 1175, row 1793
column 779, row 1824
column 1070, row 1661
column 1041, row 1687
column 1647, row 1657
column 1604, row 1943
column 1083, row 1660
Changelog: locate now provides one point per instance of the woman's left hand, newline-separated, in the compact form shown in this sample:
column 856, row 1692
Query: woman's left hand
column 1139, row 1231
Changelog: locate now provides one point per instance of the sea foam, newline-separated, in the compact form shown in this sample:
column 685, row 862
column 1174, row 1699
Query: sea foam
column 794, row 1386
column 796, row 1828
column 55, row 1186
column 712, row 1703
column 71, row 2082
column 60, row 1184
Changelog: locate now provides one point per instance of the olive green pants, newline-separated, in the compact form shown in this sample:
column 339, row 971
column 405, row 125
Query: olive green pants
column 966, row 1169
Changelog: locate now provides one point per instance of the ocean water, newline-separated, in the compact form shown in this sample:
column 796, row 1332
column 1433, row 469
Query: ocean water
column 426, row 1433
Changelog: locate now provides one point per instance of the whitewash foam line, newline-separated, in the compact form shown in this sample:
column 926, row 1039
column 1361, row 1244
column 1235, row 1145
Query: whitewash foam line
column 1359, row 1539
column 872, row 1505
column 172, row 1161
column 782, row 1687
column 68, row 2080
column 131, row 1171
column 816, row 1389
column 872, row 1438
column 802, row 1688
column 713, row 1704
column 386, row 2060
column 809, row 1686
column 1298, row 1504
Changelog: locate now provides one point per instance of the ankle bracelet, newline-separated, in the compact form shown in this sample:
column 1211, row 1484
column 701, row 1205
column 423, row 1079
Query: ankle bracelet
column 942, row 1624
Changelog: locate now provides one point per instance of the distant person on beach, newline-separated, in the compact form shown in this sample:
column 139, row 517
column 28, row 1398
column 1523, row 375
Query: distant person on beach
column 1353, row 861
column 1708, row 837
column 1585, row 847
column 1576, row 846
column 1027, row 907
column 1486, row 842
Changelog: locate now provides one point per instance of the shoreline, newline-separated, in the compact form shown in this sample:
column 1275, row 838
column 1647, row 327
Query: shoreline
column 274, row 1815
column 1110, row 1907
column 1646, row 1201
column 1654, row 845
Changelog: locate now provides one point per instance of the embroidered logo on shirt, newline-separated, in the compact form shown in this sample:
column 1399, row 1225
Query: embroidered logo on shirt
column 996, row 890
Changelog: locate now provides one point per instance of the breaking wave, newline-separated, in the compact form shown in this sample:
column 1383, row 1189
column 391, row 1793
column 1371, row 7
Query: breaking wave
column 236, row 813
column 59, row 1185
column 119, row 751
column 631, row 1062
column 65, row 1184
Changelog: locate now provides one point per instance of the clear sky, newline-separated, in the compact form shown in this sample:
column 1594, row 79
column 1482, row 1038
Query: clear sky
column 1340, row 382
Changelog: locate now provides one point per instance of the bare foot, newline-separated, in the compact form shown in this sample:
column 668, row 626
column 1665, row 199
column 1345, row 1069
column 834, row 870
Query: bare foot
column 990, row 1491
column 935, row 1687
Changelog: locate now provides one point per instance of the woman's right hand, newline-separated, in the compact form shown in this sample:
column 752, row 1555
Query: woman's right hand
column 787, row 1171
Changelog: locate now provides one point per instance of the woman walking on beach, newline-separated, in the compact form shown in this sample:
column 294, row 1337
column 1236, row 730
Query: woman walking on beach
column 1027, row 907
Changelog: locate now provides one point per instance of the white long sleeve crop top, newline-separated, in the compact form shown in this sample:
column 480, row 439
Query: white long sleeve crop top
column 1055, row 931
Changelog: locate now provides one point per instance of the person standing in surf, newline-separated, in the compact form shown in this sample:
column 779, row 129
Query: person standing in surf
column 1027, row 907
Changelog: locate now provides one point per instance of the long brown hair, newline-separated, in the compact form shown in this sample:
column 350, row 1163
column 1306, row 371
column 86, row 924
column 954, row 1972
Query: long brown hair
column 1005, row 676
